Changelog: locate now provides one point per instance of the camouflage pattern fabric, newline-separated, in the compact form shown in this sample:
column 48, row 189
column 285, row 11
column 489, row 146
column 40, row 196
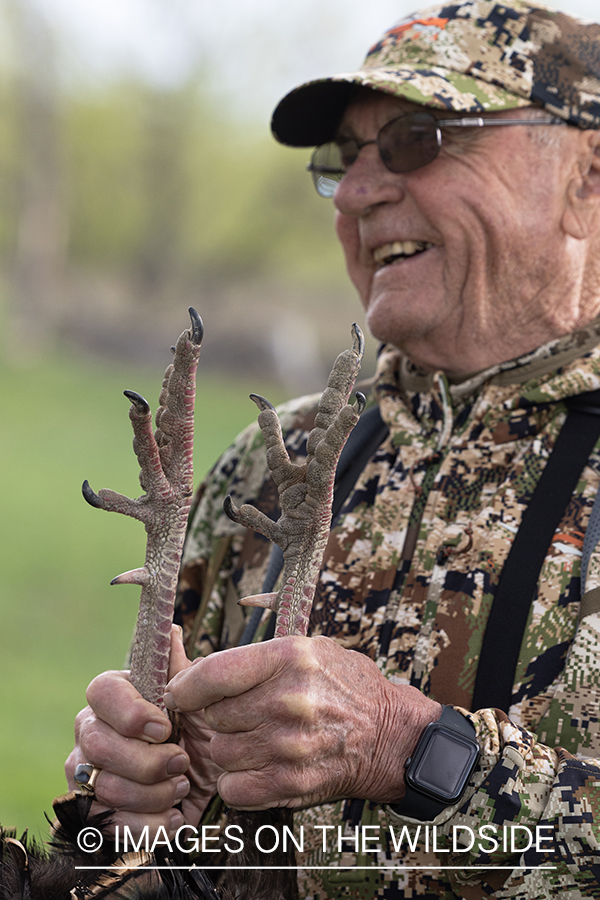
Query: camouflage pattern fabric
column 409, row 577
column 469, row 56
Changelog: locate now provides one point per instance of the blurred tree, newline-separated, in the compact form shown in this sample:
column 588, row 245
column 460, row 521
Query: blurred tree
column 122, row 199
column 164, row 184
column 39, row 249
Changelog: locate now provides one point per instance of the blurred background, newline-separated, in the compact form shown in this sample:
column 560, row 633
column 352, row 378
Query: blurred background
column 138, row 177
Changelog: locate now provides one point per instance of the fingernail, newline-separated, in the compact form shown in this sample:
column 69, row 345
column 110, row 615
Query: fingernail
column 155, row 730
column 182, row 789
column 177, row 820
column 177, row 765
column 169, row 701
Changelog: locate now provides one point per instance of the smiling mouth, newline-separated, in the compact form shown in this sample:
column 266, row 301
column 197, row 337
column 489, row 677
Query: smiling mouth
column 389, row 253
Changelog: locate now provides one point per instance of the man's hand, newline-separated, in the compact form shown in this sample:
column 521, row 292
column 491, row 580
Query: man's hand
column 301, row 721
column 141, row 777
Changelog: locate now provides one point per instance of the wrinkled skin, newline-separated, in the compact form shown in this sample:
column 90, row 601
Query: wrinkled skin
column 300, row 721
column 292, row 722
column 513, row 219
column 512, row 214
column 142, row 778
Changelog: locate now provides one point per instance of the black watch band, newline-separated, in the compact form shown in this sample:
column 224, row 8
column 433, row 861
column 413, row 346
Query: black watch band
column 440, row 767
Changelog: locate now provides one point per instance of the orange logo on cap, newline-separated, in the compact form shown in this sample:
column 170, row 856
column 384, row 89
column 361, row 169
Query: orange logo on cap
column 429, row 26
column 433, row 22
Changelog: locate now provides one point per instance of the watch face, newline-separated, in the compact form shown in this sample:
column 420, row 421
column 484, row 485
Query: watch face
column 442, row 765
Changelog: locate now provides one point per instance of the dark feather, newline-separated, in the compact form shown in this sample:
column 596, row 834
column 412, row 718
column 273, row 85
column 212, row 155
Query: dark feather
column 263, row 881
column 30, row 871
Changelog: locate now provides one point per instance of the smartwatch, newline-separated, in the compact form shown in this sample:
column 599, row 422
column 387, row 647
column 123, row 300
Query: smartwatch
column 438, row 771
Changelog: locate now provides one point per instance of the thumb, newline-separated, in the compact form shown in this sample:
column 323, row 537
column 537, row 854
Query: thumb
column 178, row 660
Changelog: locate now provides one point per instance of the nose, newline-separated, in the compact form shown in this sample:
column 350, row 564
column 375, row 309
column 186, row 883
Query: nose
column 367, row 183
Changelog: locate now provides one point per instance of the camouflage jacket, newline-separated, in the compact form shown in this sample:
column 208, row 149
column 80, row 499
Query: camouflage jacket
column 410, row 572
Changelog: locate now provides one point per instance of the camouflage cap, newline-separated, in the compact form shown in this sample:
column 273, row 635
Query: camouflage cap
column 469, row 56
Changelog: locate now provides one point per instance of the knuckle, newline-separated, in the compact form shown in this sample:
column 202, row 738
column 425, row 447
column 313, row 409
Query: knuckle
column 298, row 705
column 96, row 745
column 80, row 719
column 151, row 767
column 88, row 734
column 300, row 747
column 211, row 716
column 233, row 789
column 223, row 716
column 299, row 652
column 133, row 717
column 219, row 749
column 99, row 685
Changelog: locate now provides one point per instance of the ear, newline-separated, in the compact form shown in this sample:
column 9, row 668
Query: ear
column 581, row 217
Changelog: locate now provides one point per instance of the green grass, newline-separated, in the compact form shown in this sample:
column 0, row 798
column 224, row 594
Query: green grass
column 60, row 621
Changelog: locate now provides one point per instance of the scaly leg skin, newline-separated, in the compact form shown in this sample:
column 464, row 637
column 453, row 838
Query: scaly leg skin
column 166, row 476
column 305, row 492
column 305, row 496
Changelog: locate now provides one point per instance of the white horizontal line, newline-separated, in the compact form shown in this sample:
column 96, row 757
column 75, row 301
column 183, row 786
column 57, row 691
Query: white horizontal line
column 296, row 868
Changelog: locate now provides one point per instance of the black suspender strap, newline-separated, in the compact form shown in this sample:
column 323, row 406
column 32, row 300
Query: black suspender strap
column 516, row 589
column 518, row 581
column 369, row 432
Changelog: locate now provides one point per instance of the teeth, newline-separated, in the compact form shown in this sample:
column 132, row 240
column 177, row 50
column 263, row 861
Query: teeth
column 392, row 251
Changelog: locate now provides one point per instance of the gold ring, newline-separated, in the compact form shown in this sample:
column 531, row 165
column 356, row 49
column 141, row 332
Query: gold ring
column 85, row 778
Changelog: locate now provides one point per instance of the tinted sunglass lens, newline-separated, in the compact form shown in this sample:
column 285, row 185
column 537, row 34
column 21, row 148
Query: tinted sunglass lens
column 405, row 143
column 409, row 142
column 327, row 169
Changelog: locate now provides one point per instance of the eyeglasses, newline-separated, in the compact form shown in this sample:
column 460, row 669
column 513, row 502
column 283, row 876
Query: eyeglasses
column 405, row 143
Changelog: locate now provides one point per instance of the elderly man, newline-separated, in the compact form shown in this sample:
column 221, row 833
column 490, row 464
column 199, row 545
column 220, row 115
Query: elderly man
column 464, row 165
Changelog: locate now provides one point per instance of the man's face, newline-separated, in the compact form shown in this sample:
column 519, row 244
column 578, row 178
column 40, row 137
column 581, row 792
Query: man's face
column 465, row 262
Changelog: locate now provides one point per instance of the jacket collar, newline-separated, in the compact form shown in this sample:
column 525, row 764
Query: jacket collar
column 562, row 368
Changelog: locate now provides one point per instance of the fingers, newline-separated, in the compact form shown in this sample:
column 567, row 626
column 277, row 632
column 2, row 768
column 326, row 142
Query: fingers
column 116, row 702
column 118, row 734
column 301, row 721
column 178, row 660
column 135, row 760
column 116, row 792
column 141, row 779
column 253, row 790
column 263, row 746
column 120, row 793
column 235, row 671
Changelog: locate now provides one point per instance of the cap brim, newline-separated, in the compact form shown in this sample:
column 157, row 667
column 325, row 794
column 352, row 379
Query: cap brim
column 310, row 114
